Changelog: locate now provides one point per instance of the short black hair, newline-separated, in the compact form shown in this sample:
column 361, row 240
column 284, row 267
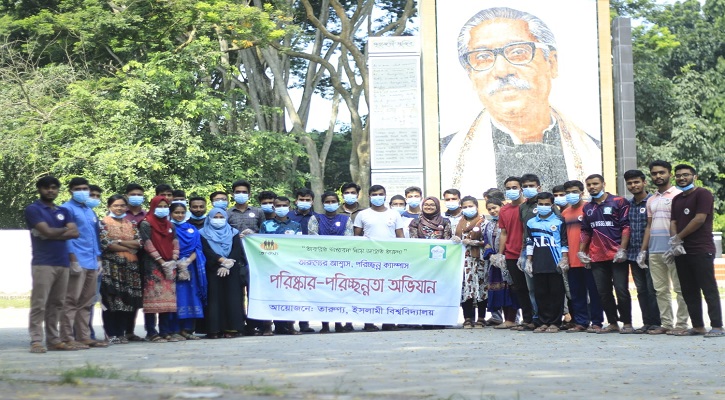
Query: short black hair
column 47, row 181
column 114, row 198
column 634, row 174
column 162, row 188
column 174, row 205
column 397, row 197
column 242, row 182
column 494, row 193
column 211, row 196
column 558, row 189
column 283, row 198
column 329, row 194
column 350, row 185
column 134, row 186
column 304, row 192
column 470, row 198
column 77, row 181
column 178, row 193
column 685, row 166
column 660, row 163
column 494, row 200
column 594, row 176
column 545, row 196
column 266, row 194
column 95, row 188
column 454, row 192
column 412, row 189
column 375, row 188
column 513, row 179
column 530, row 178
column 574, row 183
column 197, row 198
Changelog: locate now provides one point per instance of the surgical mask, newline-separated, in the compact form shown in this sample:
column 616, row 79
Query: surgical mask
column 175, row 222
column 223, row 204
column 399, row 209
column 267, row 208
column 598, row 195
column 81, row 196
column 530, row 192
column 93, row 203
column 135, row 201
column 492, row 218
column 560, row 201
column 349, row 198
column 281, row 211
column 218, row 222
column 241, row 198
column 161, row 212
column 688, row 187
column 331, row 207
column 112, row 215
column 573, row 198
column 452, row 205
column 470, row 212
column 543, row 210
column 304, row 205
column 197, row 218
column 377, row 201
column 513, row 194
column 413, row 202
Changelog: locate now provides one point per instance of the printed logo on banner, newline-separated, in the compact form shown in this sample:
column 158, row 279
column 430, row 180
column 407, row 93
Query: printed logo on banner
column 437, row 252
column 269, row 245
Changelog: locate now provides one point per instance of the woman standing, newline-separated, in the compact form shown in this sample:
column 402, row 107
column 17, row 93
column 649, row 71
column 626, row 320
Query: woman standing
column 191, row 286
column 161, row 250
column 499, row 280
column 430, row 224
column 223, row 251
column 121, row 291
column 470, row 230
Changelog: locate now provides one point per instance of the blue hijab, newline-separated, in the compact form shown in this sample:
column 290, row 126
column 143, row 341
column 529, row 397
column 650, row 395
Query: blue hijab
column 190, row 242
column 220, row 239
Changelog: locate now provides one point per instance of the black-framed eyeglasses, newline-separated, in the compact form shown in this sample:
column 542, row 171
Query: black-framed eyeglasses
column 686, row 175
column 518, row 53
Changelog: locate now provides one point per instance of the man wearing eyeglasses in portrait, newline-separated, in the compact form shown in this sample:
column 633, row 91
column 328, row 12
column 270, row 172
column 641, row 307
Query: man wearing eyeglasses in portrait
column 511, row 59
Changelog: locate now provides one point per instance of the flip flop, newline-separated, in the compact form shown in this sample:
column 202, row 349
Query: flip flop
column 689, row 332
column 715, row 333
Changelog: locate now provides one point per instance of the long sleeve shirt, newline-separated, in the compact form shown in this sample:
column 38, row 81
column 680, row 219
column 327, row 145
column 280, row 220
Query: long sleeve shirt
column 603, row 226
column 87, row 246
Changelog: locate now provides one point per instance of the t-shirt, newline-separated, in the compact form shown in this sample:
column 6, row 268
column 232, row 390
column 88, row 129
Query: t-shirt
column 545, row 241
column 303, row 219
column 379, row 224
column 455, row 219
column 137, row 218
column 659, row 207
column 684, row 209
column 276, row 226
column 603, row 226
column 573, row 217
column 508, row 219
column 410, row 215
column 48, row 252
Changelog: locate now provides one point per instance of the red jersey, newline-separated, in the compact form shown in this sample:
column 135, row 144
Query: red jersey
column 573, row 217
column 508, row 219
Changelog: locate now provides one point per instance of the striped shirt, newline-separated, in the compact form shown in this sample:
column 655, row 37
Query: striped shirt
column 659, row 207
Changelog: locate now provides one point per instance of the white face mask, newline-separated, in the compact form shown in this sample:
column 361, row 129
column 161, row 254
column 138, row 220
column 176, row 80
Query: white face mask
column 218, row 222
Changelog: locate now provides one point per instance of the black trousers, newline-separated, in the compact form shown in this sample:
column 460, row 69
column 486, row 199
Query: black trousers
column 697, row 275
column 550, row 292
column 646, row 295
column 116, row 323
column 469, row 310
column 608, row 274
column 521, row 291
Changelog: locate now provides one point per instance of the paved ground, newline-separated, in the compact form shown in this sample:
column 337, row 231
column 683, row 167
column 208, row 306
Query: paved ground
column 446, row 364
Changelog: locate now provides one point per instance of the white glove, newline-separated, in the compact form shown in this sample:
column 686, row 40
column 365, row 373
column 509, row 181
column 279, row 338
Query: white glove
column 168, row 268
column 455, row 239
column 642, row 259
column 676, row 245
column 583, row 257
column 246, row 232
column 529, row 268
column 75, row 267
column 668, row 257
column 621, row 256
column 99, row 264
column 588, row 266
column 228, row 263
column 498, row 260
column 521, row 262
column 222, row 272
column 183, row 263
column 563, row 264
column 183, row 274
column 466, row 242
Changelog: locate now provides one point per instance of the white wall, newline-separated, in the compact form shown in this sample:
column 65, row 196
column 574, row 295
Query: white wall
column 15, row 266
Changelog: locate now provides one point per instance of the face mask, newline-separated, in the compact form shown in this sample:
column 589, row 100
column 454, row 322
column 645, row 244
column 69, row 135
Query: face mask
column 218, row 222
column 688, row 187
column 560, row 201
column 112, row 215
column 530, row 192
column 223, row 204
column 161, row 212
column 281, row 211
column 268, row 208
column 513, row 194
column 572, row 198
column 81, row 196
column 544, row 210
column 452, row 205
column 470, row 212
column 135, row 201
column 350, row 199
column 241, row 198
column 377, row 201
column 413, row 202
column 192, row 216
column 492, row 218
column 399, row 209
column 331, row 207
column 598, row 195
column 304, row 205
column 175, row 222
column 93, row 203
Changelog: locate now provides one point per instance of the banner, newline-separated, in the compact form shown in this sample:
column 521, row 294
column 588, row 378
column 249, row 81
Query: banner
column 354, row 279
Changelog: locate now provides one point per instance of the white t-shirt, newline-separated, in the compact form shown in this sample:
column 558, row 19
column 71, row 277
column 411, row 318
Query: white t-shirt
column 379, row 224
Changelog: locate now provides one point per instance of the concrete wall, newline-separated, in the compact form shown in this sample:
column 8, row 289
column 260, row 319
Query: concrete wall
column 15, row 246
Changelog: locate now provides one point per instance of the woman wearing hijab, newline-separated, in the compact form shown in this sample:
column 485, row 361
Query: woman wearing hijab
column 470, row 230
column 121, row 291
column 430, row 224
column 225, row 273
column 161, row 250
column 191, row 286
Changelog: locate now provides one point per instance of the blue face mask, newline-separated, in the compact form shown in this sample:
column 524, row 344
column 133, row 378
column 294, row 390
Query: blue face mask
column 598, row 195
column 161, row 212
column 543, row 210
column 218, row 222
column 268, row 208
column 281, row 211
column 572, row 198
column 93, row 203
column 688, row 187
column 192, row 216
column 349, row 198
column 452, row 205
column 81, row 196
column 377, row 201
column 241, row 198
column 135, row 201
column 223, row 204
column 470, row 212
column 413, row 202
column 492, row 218
column 175, row 222
column 530, row 192
column 560, row 201
column 513, row 194
column 304, row 205
column 331, row 207
column 399, row 209
column 112, row 215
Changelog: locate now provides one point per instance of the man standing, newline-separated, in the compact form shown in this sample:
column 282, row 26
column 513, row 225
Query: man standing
column 635, row 181
column 197, row 207
column 266, row 203
column 94, row 200
column 135, row 196
column 413, row 197
column 50, row 228
column 693, row 249
column 452, row 199
column 303, row 210
column 654, row 244
column 604, row 241
column 350, row 195
column 85, row 257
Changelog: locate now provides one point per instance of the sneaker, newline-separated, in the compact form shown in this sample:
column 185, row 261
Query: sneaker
column 94, row 343
column 114, row 340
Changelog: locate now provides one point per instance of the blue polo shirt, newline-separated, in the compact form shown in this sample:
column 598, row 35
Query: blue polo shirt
column 87, row 247
column 48, row 252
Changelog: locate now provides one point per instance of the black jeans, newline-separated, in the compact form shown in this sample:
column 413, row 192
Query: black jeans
column 521, row 291
column 550, row 293
column 646, row 295
column 116, row 322
column 608, row 274
column 697, row 273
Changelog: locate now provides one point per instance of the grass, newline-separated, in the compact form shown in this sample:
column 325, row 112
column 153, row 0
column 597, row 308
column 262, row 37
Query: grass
column 73, row 376
column 15, row 302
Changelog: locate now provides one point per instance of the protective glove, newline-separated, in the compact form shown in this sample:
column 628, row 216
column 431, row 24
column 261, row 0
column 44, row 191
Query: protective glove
column 563, row 264
column 228, row 263
column 99, row 264
column 466, row 242
column 183, row 263
column 642, row 259
column 75, row 267
column 498, row 261
column 621, row 256
column 588, row 266
column 245, row 232
column 455, row 239
column 183, row 273
column 668, row 257
column 583, row 257
column 521, row 262
column 222, row 272
column 168, row 268
column 529, row 268
column 676, row 245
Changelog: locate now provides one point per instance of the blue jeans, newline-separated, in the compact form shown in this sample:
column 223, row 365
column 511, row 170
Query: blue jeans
column 586, row 306
column 149, row 324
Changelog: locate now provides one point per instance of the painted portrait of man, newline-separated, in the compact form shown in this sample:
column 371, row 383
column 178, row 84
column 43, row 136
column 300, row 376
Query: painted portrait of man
column 511, row 59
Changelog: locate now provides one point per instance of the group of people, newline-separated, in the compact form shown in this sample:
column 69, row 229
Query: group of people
column 554, row 256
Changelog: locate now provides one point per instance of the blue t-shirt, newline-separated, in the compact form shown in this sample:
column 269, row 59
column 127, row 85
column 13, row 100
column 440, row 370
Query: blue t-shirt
column 302, row 219
column 48, row 252
column 288, row 227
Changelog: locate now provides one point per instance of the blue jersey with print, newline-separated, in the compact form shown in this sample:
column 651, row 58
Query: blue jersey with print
column 546, row 241
column 287, row 227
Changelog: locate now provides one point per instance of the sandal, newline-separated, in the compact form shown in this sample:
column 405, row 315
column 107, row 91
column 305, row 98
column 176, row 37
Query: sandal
column 189, row 336
column 690, row 332
column 552, row 329
column 37, row 348
column 659, row 331
column 576, row 328
column 715, row 333
column 626, row 330
column 541, row 329
column 594, row 329
column 505, row 325
column 156, row 339
column 114, row 340
column 211, row 336
column 468, row 323
column 611, row 328
column 61, row 346
column 123, row 340
column 134, row 338
column 479, row 324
